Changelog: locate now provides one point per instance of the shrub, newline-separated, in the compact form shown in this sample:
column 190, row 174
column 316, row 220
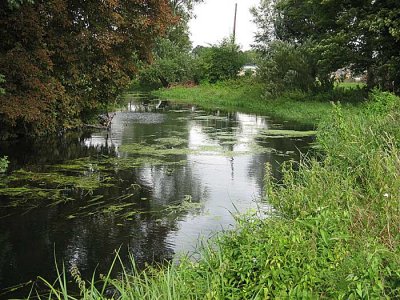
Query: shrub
column 219, row 62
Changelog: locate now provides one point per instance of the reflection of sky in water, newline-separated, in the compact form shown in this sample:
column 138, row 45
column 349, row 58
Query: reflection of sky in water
column 217, row 175
column 226, row 179
column 224, row 183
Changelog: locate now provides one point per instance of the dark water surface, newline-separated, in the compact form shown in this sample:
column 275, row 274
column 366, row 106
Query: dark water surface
column 162, row 177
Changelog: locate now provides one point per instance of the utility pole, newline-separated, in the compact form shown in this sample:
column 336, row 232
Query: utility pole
column 234, row 25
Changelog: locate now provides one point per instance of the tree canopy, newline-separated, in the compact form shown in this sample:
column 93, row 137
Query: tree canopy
column 362, row 35
column 63, row 58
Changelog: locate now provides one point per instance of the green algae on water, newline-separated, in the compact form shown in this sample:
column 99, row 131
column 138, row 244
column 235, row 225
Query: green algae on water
column 143, row 149
column 211, row 117
column 281, row 133
column 169, row 142
column 60, row 180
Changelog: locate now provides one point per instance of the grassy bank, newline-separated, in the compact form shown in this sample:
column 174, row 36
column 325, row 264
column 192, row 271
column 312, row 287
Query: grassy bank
column 246, row 95
column 334, row 232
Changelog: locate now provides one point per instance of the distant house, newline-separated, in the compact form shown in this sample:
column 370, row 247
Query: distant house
column 346, row 74
column 342, row 74
column 248, row 69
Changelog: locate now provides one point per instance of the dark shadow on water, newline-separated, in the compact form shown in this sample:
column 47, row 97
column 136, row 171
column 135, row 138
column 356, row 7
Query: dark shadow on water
column 195, row 168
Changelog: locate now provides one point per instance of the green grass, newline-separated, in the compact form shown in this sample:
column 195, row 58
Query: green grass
column 247, row 95
column 351, row 85
column 334, row 232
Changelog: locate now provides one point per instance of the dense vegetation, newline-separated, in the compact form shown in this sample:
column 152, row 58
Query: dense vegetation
column 333, row 232
column 175, row 63
column 303, row 42
column 247, row 95
column 334, row 229
column 60, row 60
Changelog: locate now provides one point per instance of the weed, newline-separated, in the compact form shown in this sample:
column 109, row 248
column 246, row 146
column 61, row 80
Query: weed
column 3, row 164
column 248, row 96
column 333, row 231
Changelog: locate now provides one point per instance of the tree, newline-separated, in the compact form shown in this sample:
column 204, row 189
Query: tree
column 219, row 62
column 64, row 58
column 184, row 7
column 171, row 61
column 361, row 35
column 286, row 66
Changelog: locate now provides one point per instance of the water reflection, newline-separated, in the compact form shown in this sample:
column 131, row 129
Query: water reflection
column 221, row 169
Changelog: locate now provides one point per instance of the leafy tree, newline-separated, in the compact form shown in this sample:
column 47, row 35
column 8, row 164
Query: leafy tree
column 219, row 62
column 62, row 59
column 252, row 57
column 286, row 66
column 362, row 35
column 184, row 7
column 171, row 61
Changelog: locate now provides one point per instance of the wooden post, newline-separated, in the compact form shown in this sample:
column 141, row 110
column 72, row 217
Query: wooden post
column 234, row 25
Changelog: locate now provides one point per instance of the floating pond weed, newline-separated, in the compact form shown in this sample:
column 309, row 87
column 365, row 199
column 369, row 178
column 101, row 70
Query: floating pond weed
column 169, row 142
column 333, row 232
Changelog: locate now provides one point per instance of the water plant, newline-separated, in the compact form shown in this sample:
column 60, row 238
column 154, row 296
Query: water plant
column 247, row 95
column 3, row 164
column 333, row 231
column 277, row 133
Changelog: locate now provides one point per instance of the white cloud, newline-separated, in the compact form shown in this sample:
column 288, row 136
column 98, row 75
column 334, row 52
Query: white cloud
column 214, row 22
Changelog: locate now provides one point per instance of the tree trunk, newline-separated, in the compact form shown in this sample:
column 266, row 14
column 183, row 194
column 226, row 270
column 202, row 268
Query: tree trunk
column 370, row 78
column 164, row 81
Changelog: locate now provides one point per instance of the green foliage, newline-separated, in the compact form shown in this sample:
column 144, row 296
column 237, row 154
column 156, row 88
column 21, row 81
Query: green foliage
column 219, row 62
column 172, row 64
column 171, row 61
column 333, row 233
column 251, row 57
column 3, row 164
column 287, row 67
column 64, row 60
column 247, row 95
column 360, row 35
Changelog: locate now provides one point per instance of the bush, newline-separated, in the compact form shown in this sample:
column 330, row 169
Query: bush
column 219, row 62
column 287, row 67
column 334, row 232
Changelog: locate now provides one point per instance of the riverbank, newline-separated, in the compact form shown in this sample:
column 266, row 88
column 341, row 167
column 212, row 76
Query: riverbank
column 247, row 95
column 334, row 232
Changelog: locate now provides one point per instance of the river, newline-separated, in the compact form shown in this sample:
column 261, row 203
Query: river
column 164, row 177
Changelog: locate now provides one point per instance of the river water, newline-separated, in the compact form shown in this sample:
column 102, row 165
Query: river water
column 163, row 178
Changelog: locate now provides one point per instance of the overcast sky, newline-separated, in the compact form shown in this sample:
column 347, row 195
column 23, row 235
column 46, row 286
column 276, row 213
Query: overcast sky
column 214, row 21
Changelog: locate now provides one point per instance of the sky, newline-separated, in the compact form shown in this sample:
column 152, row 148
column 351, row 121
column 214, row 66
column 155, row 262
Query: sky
column 214, row 21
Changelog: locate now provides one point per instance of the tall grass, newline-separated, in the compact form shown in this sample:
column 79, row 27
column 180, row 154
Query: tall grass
column 247, row 95
column 334, row 232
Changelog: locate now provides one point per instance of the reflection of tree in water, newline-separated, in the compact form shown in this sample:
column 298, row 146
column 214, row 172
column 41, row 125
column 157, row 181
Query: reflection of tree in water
column 226, row 123
column 94, row 242
column 88, row 243
column 286, row 149
column 27, row 242
column 6, row 250
column 171, row 188
column 51, row 149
